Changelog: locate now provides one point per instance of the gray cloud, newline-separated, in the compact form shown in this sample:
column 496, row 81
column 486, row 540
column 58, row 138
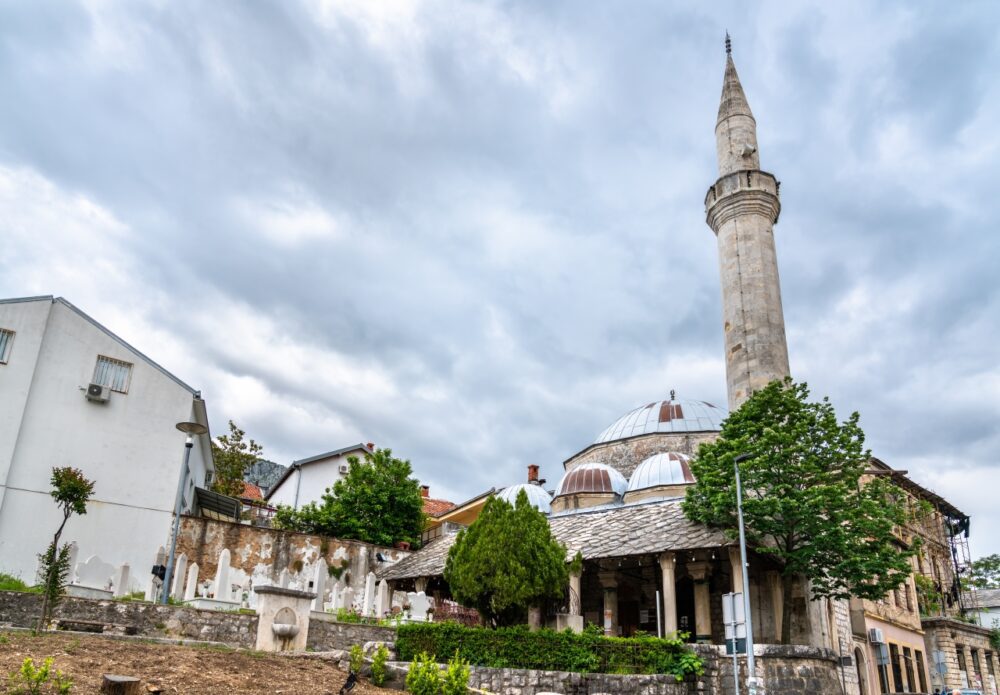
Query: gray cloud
column 474, row 232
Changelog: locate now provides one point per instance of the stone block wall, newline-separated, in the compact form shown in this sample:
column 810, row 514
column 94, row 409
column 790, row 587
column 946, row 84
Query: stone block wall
column 513, row 681
column 327, row 635
column 625, row 455
column 19, row 609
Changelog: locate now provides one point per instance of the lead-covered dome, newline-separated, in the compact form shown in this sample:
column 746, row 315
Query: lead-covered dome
column 537, row 497
column 674, row 415
column 592, row 478
column 667, row 468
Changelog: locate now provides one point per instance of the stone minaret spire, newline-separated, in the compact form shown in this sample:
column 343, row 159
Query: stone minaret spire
column 742, row 207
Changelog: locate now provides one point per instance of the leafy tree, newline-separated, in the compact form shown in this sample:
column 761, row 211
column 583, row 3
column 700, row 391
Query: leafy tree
column 377, row 502
column 985, row 573
column 71, row 491
column 233, row 453
column 506, row 561
column 807, row 501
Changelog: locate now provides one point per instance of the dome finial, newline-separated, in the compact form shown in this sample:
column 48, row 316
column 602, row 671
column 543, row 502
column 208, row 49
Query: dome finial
column 673, row 395
column 729, row 44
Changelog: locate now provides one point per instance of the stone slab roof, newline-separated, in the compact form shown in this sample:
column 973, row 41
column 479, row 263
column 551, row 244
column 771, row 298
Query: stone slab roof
column 639, row 529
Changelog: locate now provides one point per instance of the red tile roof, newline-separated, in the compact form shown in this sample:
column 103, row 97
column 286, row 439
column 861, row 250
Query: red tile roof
column 251, row 492
column 437, row 507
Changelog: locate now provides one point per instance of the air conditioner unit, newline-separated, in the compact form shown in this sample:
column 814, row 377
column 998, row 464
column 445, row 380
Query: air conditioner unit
column 98, row 393
column 875, row 636
column 344, row 468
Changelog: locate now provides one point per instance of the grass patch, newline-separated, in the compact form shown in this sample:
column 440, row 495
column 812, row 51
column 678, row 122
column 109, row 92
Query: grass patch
column 8, row 582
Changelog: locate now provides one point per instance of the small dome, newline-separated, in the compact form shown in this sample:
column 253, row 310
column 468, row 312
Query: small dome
column 675, row 415
column 594, row 478
column 668, row 468
column 537, row 497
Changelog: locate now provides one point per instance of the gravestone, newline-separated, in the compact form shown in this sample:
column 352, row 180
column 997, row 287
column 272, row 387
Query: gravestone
column 180, row 574
column 74, row 551
column 319, row 584
column 368, row 607
column 222, row 589
column 283, row 579
column 419, row 603
column 384, row 601
column 335, row 597
column 191, row 585
column 120, row 581
column 94, row 579
column 347, row 598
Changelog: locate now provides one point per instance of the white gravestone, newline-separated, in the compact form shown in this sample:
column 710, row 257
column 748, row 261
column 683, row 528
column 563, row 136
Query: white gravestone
column 368, row 607
column 180, row 574
column 335, row 597
column 222, row 588
column 74, row 551
column 319, row 584
column 120, row 582
column 419, row 603
column 191, row 585
column 347, row 599
column 94, row 579
column 384, row 601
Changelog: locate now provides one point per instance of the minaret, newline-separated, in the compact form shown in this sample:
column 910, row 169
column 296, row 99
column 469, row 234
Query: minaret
column 742, row 207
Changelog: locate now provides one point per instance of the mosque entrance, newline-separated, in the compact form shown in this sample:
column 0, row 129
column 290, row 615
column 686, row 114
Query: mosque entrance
column 685, row 606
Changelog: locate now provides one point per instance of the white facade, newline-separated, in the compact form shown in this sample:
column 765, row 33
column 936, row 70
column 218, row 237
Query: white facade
column 306, row 480
column 128, row 446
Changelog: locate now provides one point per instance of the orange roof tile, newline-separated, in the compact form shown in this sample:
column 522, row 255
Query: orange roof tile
column 435, row 507
column 251, row 492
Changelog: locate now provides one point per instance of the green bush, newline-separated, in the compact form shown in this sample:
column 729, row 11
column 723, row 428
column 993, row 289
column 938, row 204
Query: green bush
column 424, row 677
column 35, row 680
column 8, row 582
column 357, row 659
column 548, row 650
column 456, row 678
column 379, row 671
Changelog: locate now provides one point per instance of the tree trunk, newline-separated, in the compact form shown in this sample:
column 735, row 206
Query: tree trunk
column 121, row 685
column 787, row 586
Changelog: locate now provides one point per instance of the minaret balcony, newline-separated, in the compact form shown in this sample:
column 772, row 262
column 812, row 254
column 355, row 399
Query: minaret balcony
column 743, row 191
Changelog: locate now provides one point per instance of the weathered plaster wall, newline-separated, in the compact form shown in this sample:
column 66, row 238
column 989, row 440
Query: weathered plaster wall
column 258, row 555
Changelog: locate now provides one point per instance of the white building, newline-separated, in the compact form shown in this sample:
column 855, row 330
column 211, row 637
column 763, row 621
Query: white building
column 307, row 479
column 122, row 436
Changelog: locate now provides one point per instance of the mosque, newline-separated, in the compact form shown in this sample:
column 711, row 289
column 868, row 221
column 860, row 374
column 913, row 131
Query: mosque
column 646, row 566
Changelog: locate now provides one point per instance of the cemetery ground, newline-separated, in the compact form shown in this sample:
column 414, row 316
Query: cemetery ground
column 191, row 669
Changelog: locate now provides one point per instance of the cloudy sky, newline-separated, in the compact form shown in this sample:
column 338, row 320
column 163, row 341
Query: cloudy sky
column 473, row 231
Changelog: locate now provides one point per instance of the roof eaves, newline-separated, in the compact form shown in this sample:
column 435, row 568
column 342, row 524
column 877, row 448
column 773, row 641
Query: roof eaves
column 329, row 454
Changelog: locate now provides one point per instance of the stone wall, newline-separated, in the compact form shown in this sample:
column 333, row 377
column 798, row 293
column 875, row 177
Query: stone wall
column 258, row 555
column 513, row 681
column 19, row 609
column 326, row 634
column 625, row 455
column 952, row 637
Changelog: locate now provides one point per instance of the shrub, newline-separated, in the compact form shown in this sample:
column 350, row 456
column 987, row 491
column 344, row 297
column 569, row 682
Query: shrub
column 35, row 680
column 424, row 677
column 357, row 659
column 518, row 647
column 456, row 678
column 379, row 671
column 8, row 582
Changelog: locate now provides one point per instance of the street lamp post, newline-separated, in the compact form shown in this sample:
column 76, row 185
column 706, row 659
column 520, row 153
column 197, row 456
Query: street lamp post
column 751, row 670
column 190, row 429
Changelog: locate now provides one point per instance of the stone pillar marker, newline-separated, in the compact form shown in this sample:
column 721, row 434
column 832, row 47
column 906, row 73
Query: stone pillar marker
column 609, row 582
column 335, row 596
column 347, row 598
column 319, row 584
column 383, row 604
column 222, row 590
column 120, row 581
column 74, row 551
column 368, row 607
column 191, row 586
column 180, row 574
column 668, row 567
column 699, row 572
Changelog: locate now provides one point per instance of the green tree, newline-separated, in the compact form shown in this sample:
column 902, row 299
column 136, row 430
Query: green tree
column 506, row 561
column 985, row 573
column 71, row 491
column 233, row 453
column 807, row 500
column 376, row 502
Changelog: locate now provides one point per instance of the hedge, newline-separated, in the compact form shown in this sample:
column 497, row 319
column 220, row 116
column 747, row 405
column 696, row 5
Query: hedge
column 548, row 650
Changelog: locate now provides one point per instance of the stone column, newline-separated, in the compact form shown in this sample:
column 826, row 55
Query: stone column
column 420, row 584
column 668, row 567
column 574, row 593
column 969, row 672
column 699, row 572
column 609, row 582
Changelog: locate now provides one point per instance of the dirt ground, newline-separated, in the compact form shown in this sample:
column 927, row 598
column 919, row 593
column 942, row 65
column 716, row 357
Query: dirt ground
column 192, row 670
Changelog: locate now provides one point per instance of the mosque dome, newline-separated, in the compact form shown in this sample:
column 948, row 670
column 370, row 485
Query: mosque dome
column 592, row 478
column 537, row 496
column 668, row 468
column 671, row 416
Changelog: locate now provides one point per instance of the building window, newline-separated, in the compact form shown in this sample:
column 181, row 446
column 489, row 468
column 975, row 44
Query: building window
column 115, row 374
column 908, row 664
column 920, row 670
column 6, row 340
column 897, row 668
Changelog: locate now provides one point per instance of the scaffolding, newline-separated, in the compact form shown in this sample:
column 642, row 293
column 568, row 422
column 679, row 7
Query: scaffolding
column 958, row 538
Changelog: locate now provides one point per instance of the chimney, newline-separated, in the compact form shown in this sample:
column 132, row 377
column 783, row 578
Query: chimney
column 425, row 490
column 533, row 474
column 371, row 446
